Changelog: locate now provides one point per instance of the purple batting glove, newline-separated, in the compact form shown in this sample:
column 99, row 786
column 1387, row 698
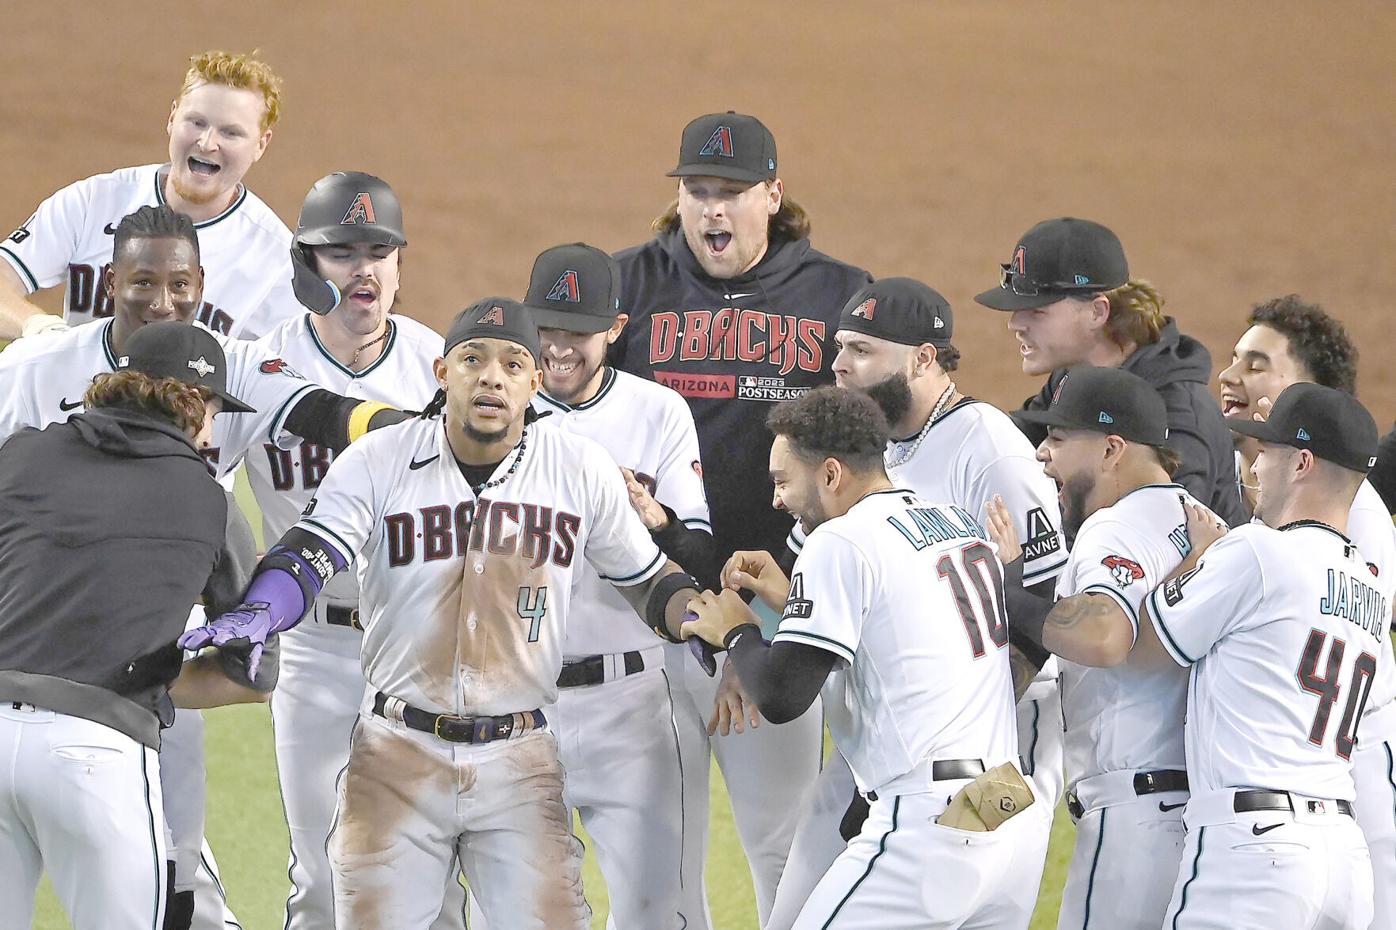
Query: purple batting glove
column 702, row 651
column 249, row 623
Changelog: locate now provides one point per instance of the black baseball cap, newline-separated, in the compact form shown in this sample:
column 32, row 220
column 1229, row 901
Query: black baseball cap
column 574, row 287
column 495, row 318
column 1106, row 400
column 899, row 310
column 184, row 352
column 727, row 145
column 1055, row 259
column 1331, row 424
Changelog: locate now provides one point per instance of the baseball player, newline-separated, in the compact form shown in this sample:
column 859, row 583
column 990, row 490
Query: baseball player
column 1290, row 341
column 1279, row 622
column 895, row 610
column 220, row 124
column 466, row 524
column 350, row 233
column 894, row 342
column 613, row 719
column 730, row 306
column 80, row 726
column 155, row 275
column 1073, row 302
column 1124, row 726
column 1383, row 474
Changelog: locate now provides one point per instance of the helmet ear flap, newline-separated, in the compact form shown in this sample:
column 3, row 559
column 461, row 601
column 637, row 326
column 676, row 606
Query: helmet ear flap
column 318, row 295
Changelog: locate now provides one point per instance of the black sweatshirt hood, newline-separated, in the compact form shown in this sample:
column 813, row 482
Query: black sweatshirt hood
column 1174, row 358
column 783, row 259
column 132, row 434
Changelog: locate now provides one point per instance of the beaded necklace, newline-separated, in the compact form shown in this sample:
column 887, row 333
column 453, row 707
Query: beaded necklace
column 906, row 454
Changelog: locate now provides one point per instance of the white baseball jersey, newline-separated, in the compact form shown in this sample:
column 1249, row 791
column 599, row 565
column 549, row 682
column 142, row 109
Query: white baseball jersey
column 465, row 598
column 1370, row 527
column 909, row 598
column 42, row 381
column 1282, row 628
column 972, row 452
column 1125, row 718
column 649, row 429
column 245, row 252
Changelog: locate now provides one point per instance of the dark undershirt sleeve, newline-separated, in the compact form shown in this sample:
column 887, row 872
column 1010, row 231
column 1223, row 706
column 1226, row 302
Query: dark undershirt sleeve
column 782, row 678
column 693, row 550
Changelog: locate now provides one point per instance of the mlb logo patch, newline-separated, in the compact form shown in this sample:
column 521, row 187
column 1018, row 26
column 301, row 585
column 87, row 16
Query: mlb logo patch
column 566, row 288
column 719, row 143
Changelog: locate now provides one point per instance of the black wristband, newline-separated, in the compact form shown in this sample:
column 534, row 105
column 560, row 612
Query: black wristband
column 736, row 631
column 663, row 590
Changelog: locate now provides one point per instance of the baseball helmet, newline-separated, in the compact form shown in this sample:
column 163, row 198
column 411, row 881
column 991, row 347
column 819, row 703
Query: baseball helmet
column 342, row 208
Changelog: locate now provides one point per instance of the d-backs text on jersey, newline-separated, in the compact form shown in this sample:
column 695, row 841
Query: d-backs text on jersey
column 537, row 533
column 782, row 341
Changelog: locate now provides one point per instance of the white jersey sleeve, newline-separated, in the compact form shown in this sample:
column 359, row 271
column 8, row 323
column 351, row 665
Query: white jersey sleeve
column 267, row 384
column 343, row 511
column 19, row 402
column 40, row 249
column 1196, row 609
column 619, row 547
column 679, row 483
column 830, row 594
column 1101, row 564
column 1032, row 500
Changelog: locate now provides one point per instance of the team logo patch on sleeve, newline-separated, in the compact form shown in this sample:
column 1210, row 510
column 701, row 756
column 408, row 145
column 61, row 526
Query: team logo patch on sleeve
column 796, row 606
column 1125, row 571
column 309, row 508
column 276, row 366
column 1043, row 538
column 1173, row 590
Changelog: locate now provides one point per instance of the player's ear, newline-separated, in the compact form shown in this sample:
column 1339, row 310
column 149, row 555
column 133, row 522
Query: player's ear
column 109, row 281
column 438, row 368
column 775, row 194
column 262, row 144
column 169, row 123
column 617, row 327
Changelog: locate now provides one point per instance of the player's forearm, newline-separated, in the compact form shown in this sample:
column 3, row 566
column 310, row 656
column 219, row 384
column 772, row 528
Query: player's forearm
column 333, row 420
column 1088, row 629
column 782, row 679
column 15, row 307
column 663, row 600
column 694, row 550
column 291, row 576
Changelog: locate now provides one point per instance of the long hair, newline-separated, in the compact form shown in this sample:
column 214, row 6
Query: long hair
column 170, row 399
column 1136, row 314
column 790, row 222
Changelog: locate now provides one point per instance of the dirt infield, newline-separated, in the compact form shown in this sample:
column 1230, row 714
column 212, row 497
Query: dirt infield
column 1241, row 150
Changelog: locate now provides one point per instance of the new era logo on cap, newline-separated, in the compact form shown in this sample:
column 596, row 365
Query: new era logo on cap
column 1302, row 435
column 1106, row 418
column 720, row 143
column 494, row 316
column 939, row 323
column 866, row 308
column 1082, row 279
column 359, row 212
column 201, row 367
column 566, row 288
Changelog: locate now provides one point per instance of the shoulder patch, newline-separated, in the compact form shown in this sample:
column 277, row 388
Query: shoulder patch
column 796, row 606
column 1043, row 539
column 1124, row 571
column 1173, row 590
column 276, row 366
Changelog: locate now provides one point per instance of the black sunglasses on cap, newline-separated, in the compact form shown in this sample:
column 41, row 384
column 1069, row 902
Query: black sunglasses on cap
column 1020, row 284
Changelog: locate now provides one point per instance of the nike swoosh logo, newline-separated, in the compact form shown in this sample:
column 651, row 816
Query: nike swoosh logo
column 1171, row 807
column 1258, row 830
column 424, row 462
column 64, row 405
column 109, row 229
column 740, row 296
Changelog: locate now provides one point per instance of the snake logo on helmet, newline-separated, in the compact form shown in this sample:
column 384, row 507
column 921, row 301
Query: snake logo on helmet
column 341, row 209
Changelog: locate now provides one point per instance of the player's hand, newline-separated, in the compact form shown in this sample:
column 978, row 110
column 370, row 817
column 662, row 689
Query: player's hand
column 1262, row 410
column 651, row 513
column 758, row 573
column 733, row 708
column 1002, row 531
column 249, row 625
column 1203, row 528
column 714, row 615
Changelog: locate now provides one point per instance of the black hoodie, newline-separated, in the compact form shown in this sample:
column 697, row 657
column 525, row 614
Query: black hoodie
column 110, row 528
column 733, row 347
column 1180, row 368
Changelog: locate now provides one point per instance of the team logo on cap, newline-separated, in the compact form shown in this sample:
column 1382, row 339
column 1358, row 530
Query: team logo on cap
column 1057, row 394
column 1018, row 264
column 360, row 211
column 866, row 308
column 719, row 143
column 201, row 367
column 566, row 288
column 493, row 316
column 1124, row 571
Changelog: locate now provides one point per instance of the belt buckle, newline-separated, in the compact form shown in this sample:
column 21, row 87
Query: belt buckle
column 354, row 622
column 436, row 727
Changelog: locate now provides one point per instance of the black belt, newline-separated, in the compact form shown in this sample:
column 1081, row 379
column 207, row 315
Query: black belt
column 591, row 670
column 343, row 616
column 1259, row 800
column 1153, row 782
column 949, row 770
column 463, row 729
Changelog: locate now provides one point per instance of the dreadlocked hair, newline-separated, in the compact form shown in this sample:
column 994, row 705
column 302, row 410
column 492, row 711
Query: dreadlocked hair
column 438, row 403
column 155, row 223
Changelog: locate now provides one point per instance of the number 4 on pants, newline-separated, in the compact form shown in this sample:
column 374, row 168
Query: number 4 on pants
column 533, row 606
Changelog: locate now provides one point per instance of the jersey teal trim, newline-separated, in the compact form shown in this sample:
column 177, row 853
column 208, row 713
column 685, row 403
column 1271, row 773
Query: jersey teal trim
column 1095, row 860
column 334, row 538
column 237, row 201
column 1029, row 762
column 819, row 642
column 33, row 283
column 1201, row 834
column 353, row 375
column 608, row 380
column 1120, row 599
column 698, row 523
column 881, row 848
column 639, row 576
column 1169, row 643
column 107, row 346
column 155, row 921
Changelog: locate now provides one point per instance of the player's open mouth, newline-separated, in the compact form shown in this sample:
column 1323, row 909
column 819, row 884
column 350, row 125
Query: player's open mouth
column 205, row 169
column 718, row 241
column 1232, row 405
column 559, row 368
column 363, row 295
column 488, row 404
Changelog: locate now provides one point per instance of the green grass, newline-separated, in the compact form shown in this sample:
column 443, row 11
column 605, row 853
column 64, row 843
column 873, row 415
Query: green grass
column 247, row 830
